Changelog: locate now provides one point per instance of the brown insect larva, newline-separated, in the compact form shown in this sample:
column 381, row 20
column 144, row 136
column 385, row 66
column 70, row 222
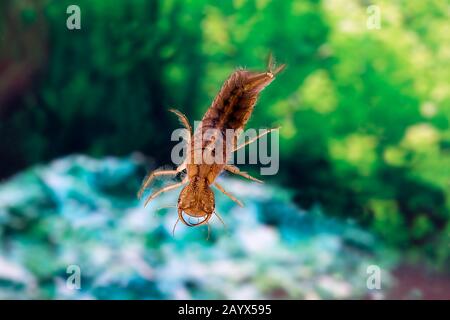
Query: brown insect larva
column 230, row 110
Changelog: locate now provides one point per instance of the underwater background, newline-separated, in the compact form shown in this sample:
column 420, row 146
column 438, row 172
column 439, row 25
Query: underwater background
column 364, row 172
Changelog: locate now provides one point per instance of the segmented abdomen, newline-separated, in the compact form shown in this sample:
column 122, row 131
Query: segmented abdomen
column 231, row 109
column 233, row 106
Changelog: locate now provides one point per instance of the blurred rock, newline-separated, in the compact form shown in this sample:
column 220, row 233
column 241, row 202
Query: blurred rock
column 82, row 211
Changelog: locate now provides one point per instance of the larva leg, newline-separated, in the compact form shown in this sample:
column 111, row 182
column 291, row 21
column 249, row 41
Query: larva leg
column 220, row 218
column 167, row 188
column 174, row 226
column 150, row 178
column 154, row 174
column 157, row 173
column 254, row 139
column 218, row 186
column 236, row 170
column 183, row 119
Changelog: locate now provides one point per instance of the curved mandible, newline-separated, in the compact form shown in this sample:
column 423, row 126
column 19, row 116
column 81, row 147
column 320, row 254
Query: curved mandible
column 180, row 216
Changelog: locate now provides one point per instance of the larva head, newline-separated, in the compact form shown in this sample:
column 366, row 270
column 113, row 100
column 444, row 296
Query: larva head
column 196, row 200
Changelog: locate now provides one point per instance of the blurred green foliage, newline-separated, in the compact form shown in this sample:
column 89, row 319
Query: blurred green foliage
column 364, row 113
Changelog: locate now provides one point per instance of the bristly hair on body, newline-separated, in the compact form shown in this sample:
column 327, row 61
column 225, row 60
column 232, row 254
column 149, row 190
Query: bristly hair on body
column 231, row 109
column 233, row 105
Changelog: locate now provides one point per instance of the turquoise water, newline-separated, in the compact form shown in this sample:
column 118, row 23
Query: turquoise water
column 80, row 213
